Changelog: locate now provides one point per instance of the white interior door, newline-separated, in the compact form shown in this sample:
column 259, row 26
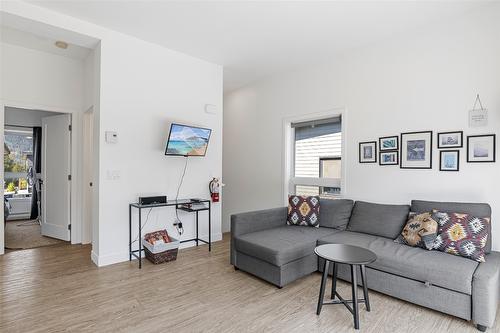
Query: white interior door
column 56, row 168
column 88, row 164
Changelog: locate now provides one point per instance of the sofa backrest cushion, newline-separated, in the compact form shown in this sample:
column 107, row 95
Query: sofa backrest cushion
column 335, row 213
column 481, row 210
column 377, row 219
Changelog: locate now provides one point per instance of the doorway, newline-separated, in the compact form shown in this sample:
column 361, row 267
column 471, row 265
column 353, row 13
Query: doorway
column 37, row 181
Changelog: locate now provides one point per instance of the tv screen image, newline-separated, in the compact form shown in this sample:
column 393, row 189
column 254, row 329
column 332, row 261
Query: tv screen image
column 187, row 140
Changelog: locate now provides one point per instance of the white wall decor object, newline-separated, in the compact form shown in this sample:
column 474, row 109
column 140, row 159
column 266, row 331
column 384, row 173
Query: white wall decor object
column 478, row 117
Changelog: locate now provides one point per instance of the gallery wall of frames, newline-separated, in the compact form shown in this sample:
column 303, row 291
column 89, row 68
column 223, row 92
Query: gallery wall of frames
column 414, row 150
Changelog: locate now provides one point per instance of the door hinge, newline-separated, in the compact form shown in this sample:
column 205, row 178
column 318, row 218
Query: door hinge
column 69, row 226
column 69, row 177
column 70, row 127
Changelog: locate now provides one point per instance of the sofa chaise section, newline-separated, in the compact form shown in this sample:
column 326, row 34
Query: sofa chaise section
column 279, row 255
column 263, row 244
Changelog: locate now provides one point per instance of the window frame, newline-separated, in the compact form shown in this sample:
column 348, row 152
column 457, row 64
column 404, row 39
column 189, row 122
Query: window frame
column 288, row 154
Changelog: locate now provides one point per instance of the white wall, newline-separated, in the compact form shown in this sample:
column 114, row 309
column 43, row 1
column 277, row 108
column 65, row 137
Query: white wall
column 33, row 79
column 39, row 78
column 419, row 81
column 142, row 88
column 22, row 117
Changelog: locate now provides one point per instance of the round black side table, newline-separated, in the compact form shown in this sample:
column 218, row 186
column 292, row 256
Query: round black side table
column 350, row 255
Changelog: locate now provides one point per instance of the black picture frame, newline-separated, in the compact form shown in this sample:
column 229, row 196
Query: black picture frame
column 440, row 146
column 401, row 155
column 469, row 137
column 385, row 138
column 361, row 144
column 442, row 152
column 388, row 152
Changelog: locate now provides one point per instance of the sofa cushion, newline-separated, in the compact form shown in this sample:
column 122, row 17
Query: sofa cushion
column 281, row 245
column 303, row 210
column 481, row 210
column 377, row 219
column 462, row 235
column 420, row 231
column 437, row 268
column 335, row 213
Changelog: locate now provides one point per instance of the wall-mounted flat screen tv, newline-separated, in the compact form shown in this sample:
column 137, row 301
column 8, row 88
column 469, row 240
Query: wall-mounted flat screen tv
column 185, row 140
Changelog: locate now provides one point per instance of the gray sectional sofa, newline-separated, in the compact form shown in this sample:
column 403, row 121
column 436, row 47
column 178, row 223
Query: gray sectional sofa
column 263, row 245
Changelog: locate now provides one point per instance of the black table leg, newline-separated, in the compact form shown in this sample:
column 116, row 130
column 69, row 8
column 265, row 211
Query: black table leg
column 209, row 226
column 322, row 288
column 129, row 233
column 334, row 279
column 365, row 287
column 354, row 280
column 197, row 228
column 140, row 239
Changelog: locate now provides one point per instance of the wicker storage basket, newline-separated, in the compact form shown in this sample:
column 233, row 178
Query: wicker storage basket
column 161, row 257
column 162, row 252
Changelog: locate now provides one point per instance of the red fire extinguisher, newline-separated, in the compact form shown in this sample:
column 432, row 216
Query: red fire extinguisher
column 214, row 188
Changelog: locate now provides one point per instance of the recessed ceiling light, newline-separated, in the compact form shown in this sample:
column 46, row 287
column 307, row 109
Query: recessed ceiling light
column 62, row 45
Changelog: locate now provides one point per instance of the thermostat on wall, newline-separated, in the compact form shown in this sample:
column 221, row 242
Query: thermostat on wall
column 111, row 137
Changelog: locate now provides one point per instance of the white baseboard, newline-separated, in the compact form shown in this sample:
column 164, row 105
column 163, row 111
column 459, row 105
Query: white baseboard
column 94, row 257
column 114, row 258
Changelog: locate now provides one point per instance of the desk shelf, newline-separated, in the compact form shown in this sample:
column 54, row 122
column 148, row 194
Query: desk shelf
column 191, row 210
column 177, row 205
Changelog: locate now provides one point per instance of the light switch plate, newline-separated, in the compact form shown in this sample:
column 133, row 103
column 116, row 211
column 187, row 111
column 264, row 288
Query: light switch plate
column 111, row 137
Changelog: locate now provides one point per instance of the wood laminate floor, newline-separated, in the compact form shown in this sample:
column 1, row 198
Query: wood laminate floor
column 57, row 288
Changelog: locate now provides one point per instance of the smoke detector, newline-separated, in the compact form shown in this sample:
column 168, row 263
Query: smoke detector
column 60, row 44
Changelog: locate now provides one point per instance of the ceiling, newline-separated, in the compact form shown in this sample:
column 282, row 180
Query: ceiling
column 256, row 39
column 41, row 43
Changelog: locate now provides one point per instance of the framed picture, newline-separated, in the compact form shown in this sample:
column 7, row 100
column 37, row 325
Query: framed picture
column 388, row 143
column 481, row 148
column 450, row 139
column 368, row 152
column 449, row 160
column 416, row 150
column 389, row 158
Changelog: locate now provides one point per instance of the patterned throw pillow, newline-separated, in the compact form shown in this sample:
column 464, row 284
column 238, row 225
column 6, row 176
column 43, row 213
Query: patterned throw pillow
column 420, row 231
column 303, row 210
column 462, row 235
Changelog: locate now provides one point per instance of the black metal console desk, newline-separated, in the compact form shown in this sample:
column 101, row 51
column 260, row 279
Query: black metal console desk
column 177, row 204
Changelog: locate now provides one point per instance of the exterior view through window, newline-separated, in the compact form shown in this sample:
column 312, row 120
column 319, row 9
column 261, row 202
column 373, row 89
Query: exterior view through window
column 318, row 157
column 18, row 159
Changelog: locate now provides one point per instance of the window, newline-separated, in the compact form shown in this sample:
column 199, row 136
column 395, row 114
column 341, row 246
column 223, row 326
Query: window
column 18, row 158
column 316, row 157
column 330, row 167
